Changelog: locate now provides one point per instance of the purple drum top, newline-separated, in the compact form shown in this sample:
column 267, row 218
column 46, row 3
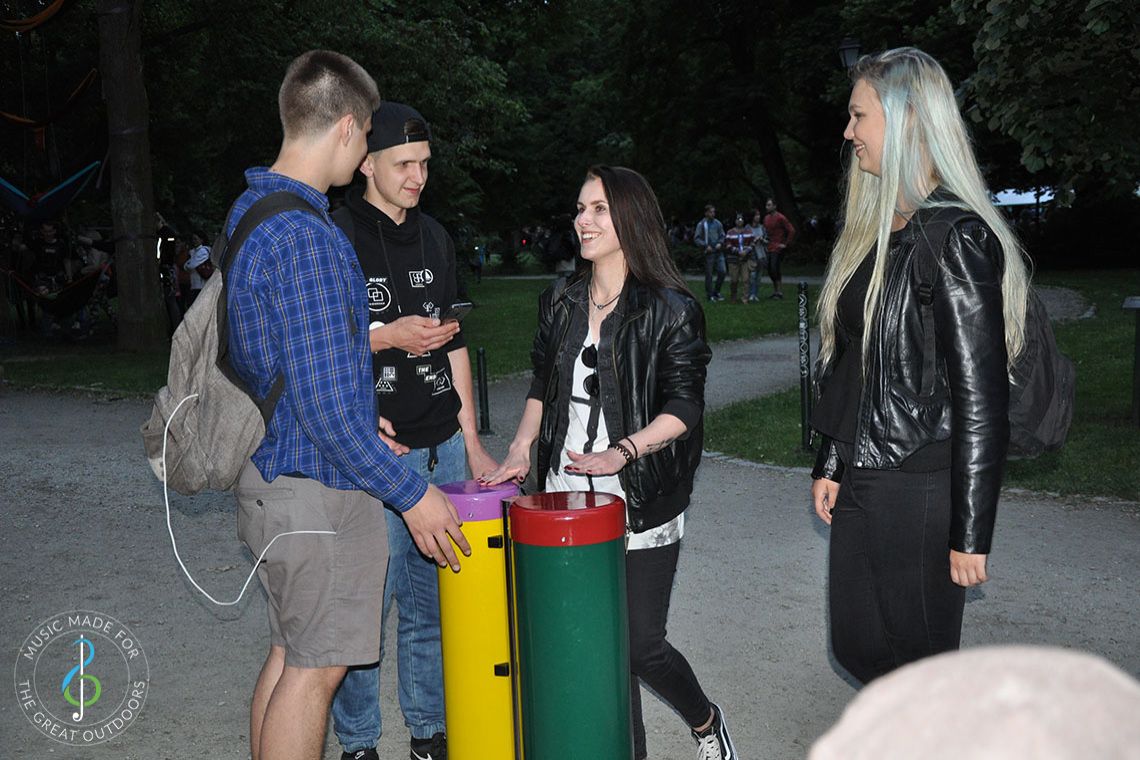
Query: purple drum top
column 476, row 502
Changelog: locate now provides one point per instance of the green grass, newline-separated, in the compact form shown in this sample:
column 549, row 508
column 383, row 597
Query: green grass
column 91, row 367
column 506, row 314
column 765, row 429
column 502, row 323
column 733, row 321
column 1102, row 454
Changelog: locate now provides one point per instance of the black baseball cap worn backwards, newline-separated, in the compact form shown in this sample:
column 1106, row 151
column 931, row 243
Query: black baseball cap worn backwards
column 396, row 124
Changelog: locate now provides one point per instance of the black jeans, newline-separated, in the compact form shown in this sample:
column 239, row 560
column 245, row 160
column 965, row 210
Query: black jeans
column 649, row 577
column 890, row 593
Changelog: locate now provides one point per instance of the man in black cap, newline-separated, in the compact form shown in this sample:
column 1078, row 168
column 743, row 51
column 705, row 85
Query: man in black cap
column 423, row 385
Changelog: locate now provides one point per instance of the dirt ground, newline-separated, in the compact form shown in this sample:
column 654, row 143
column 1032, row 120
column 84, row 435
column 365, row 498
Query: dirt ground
column 82, row 526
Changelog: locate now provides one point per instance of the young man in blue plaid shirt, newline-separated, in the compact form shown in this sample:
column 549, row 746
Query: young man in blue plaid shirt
column 297, row 307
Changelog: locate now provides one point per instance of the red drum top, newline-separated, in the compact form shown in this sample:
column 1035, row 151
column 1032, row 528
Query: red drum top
column 567, row 518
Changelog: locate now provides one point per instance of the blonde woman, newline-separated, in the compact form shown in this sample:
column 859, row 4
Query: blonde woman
column 908, row 472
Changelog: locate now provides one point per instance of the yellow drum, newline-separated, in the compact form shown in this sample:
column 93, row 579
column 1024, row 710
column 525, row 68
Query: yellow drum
column 475, row 632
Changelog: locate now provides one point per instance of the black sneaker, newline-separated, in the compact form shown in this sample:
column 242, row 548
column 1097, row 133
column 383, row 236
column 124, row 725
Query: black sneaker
column 714, row 743
column 360, row 754
column 434, row 748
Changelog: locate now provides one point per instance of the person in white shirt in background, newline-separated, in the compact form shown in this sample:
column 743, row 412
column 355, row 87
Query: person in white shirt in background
column 199, row 255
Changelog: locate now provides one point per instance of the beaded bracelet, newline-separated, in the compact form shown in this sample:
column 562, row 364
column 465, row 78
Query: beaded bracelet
column 623, row 451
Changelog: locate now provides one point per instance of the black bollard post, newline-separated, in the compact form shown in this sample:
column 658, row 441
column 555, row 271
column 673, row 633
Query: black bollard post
column 1132, row 303
column 484, row 407
column 805, row 368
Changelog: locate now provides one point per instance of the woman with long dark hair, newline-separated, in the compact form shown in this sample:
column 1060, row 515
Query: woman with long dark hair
column 616, row 405
column 922, row 313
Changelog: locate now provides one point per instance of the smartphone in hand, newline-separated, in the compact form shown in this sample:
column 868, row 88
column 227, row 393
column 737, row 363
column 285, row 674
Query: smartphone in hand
column 457, row 311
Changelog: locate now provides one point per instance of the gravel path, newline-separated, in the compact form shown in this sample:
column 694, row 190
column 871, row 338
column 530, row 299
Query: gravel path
column 83, row 527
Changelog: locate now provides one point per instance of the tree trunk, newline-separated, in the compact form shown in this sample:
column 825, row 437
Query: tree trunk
column 772, row 156
column 743, row 58
column 5, row 312
column 142, row 321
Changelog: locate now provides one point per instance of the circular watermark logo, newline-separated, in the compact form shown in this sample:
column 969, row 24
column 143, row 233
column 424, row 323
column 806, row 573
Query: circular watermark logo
column 81, row 677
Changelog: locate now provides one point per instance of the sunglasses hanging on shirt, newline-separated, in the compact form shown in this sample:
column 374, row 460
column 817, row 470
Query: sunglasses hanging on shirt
column 590, row 359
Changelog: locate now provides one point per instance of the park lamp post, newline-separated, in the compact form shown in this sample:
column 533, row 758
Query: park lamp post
column 848, row 52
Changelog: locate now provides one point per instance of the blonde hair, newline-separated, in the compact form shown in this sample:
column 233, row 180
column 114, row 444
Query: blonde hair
column 925, row 137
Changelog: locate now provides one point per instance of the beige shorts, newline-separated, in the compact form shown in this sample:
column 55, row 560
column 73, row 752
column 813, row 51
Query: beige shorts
column 325, row 592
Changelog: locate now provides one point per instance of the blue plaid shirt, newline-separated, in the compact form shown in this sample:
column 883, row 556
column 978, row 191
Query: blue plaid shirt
column 298, row 305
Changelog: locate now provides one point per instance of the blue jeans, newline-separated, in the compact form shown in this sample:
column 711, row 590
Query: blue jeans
column 753, row 278
column 714, row 264
column 412, row 581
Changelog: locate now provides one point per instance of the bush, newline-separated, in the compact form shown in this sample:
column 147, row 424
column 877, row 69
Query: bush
column 688, row 258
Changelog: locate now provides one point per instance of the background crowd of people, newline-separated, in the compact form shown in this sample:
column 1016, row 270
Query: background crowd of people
column 60, row 281
column 753, row 244
column 56, row 280
column 38, row 262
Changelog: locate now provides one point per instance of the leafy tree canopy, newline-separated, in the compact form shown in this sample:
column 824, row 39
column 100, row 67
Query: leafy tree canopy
column 1060, row 78
column 714, row 100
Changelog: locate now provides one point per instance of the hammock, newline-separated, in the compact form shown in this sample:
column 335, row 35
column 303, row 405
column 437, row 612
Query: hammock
column 20, row 25
column 79, row 89
column 68, row 299
column 49, row 204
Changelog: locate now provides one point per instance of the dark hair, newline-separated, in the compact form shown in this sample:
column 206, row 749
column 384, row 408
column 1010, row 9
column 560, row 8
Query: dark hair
column 639, row 225
column 709, row 207
column 320, row 88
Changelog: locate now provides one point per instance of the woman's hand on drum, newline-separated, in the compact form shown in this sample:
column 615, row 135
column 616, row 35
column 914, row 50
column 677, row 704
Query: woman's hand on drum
column 605, row 462
column 515, row 467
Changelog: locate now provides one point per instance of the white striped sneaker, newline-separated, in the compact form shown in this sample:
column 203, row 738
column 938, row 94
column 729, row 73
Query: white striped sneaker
column 714, row 743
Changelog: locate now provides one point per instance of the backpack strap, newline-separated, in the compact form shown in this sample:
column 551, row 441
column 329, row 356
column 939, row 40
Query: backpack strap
column 262, row 209
column 343, row 218
column 930, row 242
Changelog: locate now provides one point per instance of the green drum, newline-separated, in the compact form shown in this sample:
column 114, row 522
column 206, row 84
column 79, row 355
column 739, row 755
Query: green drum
column 572, row 627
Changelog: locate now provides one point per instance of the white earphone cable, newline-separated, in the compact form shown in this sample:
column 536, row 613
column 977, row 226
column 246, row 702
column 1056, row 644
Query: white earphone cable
column 170, row 528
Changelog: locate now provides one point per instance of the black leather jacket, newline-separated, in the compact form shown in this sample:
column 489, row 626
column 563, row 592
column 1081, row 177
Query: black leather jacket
column 652, row 359
column 969, row 404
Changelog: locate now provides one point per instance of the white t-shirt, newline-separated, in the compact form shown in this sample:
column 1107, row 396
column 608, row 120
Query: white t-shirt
column 197, row 256
column 577, row 436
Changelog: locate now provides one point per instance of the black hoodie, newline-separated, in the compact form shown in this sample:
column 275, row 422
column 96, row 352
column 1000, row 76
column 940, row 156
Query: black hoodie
column 411, row 271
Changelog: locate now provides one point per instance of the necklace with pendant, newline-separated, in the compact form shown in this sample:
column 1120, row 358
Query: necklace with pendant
column 600, row 306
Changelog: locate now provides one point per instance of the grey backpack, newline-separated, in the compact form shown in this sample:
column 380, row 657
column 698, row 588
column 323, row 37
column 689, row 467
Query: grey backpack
column 205, row 423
